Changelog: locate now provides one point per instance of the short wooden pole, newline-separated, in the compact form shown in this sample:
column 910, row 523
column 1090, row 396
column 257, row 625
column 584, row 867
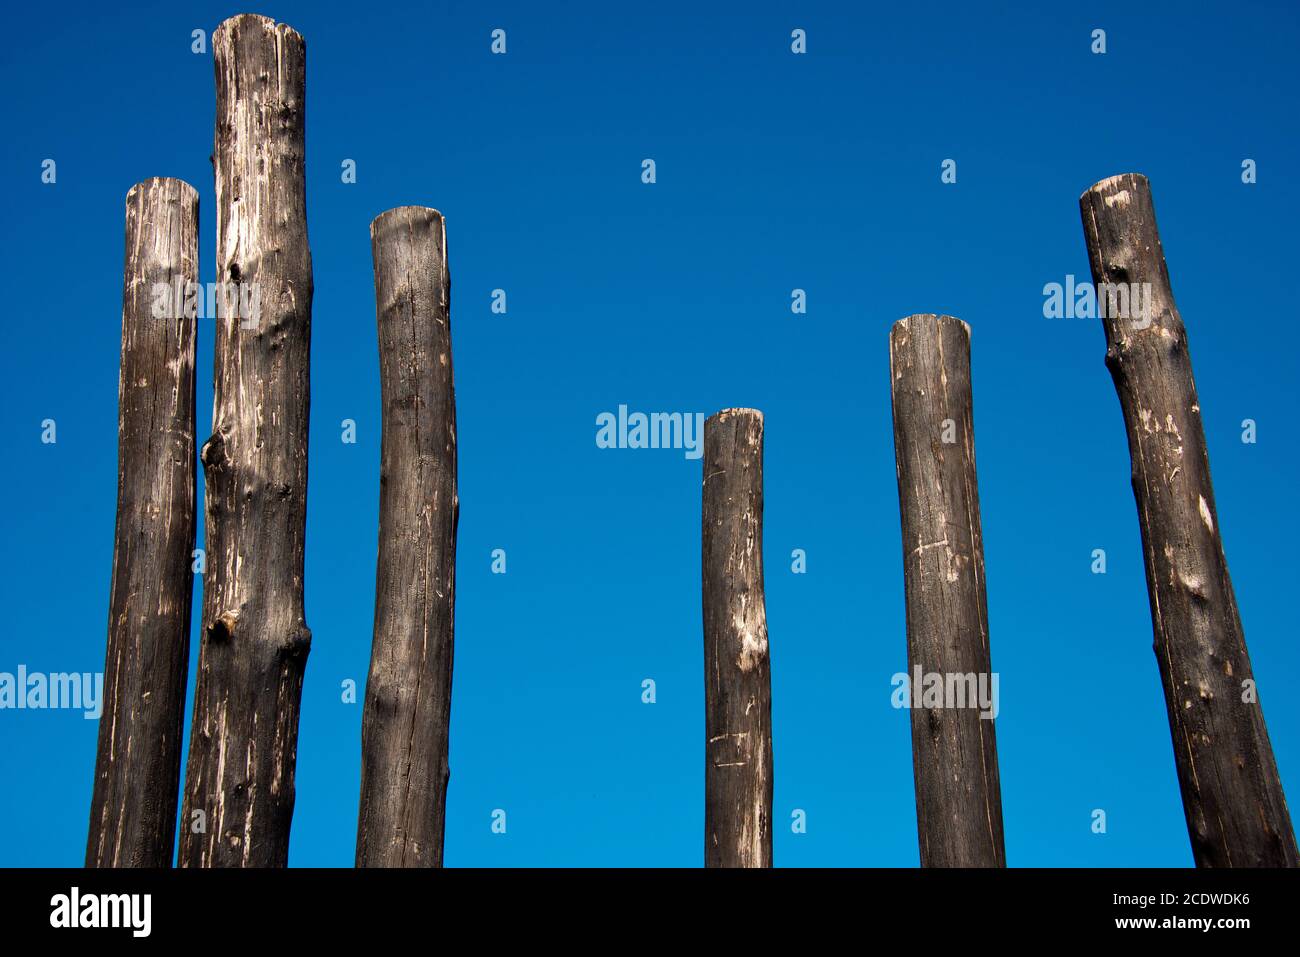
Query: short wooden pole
column 404, row 737
column 737, row 681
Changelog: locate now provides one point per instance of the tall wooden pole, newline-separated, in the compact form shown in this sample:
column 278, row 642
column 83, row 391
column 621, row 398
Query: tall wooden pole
column 243, row 742
column 737, row 679
column 404, row 734
column 1232, row 795
column 137, row 768
column 954, row 751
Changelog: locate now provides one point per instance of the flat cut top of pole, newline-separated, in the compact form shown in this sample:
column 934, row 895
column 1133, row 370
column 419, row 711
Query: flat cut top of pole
column 170, row 182
column 1114, row 185
column 425, row 213
column 905, row 323
column 727, row 413
column 247, row 20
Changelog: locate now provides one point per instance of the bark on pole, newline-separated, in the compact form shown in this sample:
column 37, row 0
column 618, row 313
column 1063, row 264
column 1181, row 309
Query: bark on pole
column 137, row 768
column 737, row 679
column 244, row 736
column 954, row 751
column 1232, row 795
column 404, row 736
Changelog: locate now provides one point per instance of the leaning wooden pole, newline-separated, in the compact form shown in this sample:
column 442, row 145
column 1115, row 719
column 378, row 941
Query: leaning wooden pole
column 137, row 768
column 1232, row 795
column 239, row 788
column 404, row 731
column 954, row 751
column 737, row 679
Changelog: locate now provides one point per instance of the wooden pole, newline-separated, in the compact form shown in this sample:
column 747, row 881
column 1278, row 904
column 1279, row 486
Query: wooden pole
column 1232, row 795
column 404, row 768
column 137, row 768
column 954, row 751
column 243, row 741
column 737, row 680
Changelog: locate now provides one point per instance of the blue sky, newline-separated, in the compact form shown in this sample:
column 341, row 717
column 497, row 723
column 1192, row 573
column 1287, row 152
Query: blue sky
column 775, row 171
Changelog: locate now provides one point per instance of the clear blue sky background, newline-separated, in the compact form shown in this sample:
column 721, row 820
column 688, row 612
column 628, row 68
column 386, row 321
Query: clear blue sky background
column 775, row 172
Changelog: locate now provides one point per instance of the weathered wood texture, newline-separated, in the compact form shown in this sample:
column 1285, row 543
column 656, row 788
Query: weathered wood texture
column 404, row 734
column 1232, row 795
column 954, row 750
column 737, row 678
column 255, row 639
column 137, row 768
